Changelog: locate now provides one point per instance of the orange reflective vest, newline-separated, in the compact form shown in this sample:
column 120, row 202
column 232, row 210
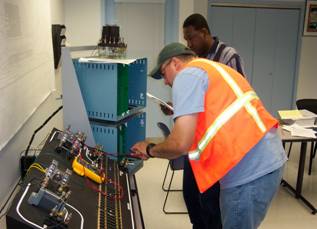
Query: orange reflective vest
column 234, row 121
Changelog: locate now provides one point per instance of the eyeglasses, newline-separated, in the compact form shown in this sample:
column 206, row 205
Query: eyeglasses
column 163, row 67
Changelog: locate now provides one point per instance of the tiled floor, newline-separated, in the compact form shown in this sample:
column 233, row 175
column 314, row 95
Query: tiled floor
column 285, row 211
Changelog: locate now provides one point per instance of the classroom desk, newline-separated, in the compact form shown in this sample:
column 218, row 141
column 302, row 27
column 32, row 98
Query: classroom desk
column 297, row 191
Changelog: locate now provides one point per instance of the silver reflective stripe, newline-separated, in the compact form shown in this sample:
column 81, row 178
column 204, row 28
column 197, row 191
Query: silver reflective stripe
column 238, row 92
column 194, row 155
column 243, row 100
column 220, row 121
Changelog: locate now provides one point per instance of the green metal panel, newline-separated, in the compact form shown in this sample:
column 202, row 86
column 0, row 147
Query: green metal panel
column 122, row 95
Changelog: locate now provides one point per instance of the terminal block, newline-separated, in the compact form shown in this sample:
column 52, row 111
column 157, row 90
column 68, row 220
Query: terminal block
column 53, row 194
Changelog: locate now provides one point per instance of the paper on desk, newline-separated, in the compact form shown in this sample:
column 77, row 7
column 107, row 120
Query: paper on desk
column 159, row 101
column 105, row 60
column 299, row 131
column 290, row 114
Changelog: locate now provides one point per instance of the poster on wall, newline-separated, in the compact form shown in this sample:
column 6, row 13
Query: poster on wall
column 310, row 26
column 26, row 62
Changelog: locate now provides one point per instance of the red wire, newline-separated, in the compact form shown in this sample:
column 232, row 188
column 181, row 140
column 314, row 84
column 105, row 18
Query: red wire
column 119, row 189
column 101, row 173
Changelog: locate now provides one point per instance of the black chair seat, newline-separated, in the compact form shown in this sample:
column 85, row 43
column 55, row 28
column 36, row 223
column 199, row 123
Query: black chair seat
column 173, row 165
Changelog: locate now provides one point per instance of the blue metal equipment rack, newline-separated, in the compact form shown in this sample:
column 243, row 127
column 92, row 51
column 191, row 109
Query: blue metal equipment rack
column 105, row 100
column 112, row 92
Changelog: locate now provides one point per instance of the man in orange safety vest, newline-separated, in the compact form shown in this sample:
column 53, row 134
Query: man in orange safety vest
column 223, row 127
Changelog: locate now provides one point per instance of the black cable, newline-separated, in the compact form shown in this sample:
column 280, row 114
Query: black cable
column 38, row 129
column 7, row 201
column 26, row 161
column 3, row 215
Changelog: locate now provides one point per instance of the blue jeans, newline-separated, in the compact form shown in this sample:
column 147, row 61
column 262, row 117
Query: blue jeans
column 245, row 206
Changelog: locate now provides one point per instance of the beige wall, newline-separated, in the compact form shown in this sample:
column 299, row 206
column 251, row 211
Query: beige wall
column 201, row 7
column 83, row 20
column 57, row 11
column 186, row 7
column 307, row 76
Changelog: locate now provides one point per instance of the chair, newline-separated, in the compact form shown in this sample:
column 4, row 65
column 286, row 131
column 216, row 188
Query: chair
column 173, row 165
column 310, row 105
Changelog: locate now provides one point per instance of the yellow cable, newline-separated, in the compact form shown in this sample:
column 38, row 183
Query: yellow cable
column 35, row 167
column 37, row 164
column 41, row 169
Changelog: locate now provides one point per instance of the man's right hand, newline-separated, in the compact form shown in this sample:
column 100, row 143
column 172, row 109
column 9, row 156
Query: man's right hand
column 166, row 110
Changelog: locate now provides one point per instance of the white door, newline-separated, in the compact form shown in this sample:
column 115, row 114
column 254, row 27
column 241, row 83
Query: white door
column 266, row 39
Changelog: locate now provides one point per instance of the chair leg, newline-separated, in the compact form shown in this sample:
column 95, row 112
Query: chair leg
column 163, row 185
column 167, row 193
column 311, row 157
column 289, row 149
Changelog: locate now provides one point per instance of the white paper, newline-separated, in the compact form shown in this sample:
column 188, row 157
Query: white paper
column 159, row 101
column 105, row 60
column 308, row 118
column 299, row 131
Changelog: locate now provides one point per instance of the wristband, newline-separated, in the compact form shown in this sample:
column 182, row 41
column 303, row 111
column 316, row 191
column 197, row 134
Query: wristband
column 148, row 148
